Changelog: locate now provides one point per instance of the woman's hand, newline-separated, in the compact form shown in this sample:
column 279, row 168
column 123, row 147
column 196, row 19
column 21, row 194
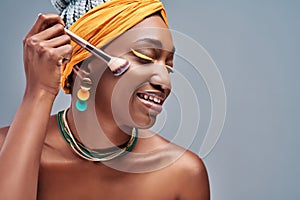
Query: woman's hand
column 46, row 49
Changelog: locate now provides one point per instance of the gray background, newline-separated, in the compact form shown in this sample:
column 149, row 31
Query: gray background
column 255, row 45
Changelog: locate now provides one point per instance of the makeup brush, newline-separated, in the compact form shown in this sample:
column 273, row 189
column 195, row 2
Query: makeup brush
column 117, row 65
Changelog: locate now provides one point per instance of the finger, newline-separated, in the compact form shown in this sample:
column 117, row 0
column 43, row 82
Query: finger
column 56, row 42
column 64, row 54
column 44, row 21
column 50, row 33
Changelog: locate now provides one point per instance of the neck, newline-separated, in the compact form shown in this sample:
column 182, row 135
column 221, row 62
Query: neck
column 96, row 131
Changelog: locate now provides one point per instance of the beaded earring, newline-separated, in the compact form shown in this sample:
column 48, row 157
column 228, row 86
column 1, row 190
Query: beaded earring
column 83, row 94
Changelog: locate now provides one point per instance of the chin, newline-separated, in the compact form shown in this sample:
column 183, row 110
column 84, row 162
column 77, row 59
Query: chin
column 145, row 122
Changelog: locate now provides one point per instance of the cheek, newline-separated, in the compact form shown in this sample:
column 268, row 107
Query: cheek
column 126, row 85
column 122, row 93
column 117, row 95
column 125, row 106
column 113, row 94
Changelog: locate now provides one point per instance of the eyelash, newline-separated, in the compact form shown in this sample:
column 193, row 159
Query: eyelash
column 147, row 59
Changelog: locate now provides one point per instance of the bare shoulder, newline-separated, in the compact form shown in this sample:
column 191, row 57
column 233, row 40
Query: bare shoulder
column 192, row 163
column 3, row 133
column 192, row 176
column 187, row 173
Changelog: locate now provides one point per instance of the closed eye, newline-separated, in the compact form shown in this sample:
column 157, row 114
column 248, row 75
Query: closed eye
column 148, row 59
column 142, row 56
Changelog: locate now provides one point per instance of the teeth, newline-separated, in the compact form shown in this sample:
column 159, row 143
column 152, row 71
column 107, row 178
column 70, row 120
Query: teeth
column 151, row 98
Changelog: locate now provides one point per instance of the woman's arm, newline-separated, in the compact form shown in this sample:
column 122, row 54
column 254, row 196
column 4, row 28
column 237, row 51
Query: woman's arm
column 44, row 48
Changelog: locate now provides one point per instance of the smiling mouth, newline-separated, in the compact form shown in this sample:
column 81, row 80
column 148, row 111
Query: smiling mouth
column 152, row 100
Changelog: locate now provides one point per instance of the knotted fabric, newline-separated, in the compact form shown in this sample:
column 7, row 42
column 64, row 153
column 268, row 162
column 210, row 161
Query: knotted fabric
column 105, row 22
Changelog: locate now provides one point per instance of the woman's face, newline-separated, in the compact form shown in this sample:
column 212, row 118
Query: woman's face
column 136, row 97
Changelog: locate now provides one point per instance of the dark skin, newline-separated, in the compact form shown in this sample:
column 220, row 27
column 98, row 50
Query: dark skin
column 45, row 167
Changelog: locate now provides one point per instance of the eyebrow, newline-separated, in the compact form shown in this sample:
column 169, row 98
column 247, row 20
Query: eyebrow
column 154, row 42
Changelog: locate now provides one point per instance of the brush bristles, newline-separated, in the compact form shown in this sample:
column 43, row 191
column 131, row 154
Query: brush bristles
column 118, row 66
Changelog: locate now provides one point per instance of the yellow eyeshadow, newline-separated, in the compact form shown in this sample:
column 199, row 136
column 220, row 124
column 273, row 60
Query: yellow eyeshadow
column 169, row 68
column 140, row 55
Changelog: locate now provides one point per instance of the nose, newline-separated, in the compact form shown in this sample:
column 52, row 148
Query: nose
column 161, row 78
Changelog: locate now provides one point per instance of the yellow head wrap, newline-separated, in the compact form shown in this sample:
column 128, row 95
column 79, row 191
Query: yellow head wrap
column 105, row 22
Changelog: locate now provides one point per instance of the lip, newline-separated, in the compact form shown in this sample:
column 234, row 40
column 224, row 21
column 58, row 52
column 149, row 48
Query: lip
column 156, row 99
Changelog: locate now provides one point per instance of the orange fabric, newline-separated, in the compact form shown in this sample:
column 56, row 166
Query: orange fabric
column 105, row 22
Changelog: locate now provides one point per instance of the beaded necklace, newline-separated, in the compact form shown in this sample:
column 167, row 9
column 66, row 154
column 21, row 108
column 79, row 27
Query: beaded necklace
column 93, row 154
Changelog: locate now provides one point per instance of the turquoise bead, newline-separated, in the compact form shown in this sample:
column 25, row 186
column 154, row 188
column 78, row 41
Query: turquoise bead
column 81, row 105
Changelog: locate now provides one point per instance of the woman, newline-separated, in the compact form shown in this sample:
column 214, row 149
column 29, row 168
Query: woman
column 78, row 153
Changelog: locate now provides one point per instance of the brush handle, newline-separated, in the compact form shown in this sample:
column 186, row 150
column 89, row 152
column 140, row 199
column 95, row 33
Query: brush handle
column 89, row 47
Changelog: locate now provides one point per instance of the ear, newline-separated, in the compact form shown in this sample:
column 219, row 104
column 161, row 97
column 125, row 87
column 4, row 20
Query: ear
column 72, row 77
